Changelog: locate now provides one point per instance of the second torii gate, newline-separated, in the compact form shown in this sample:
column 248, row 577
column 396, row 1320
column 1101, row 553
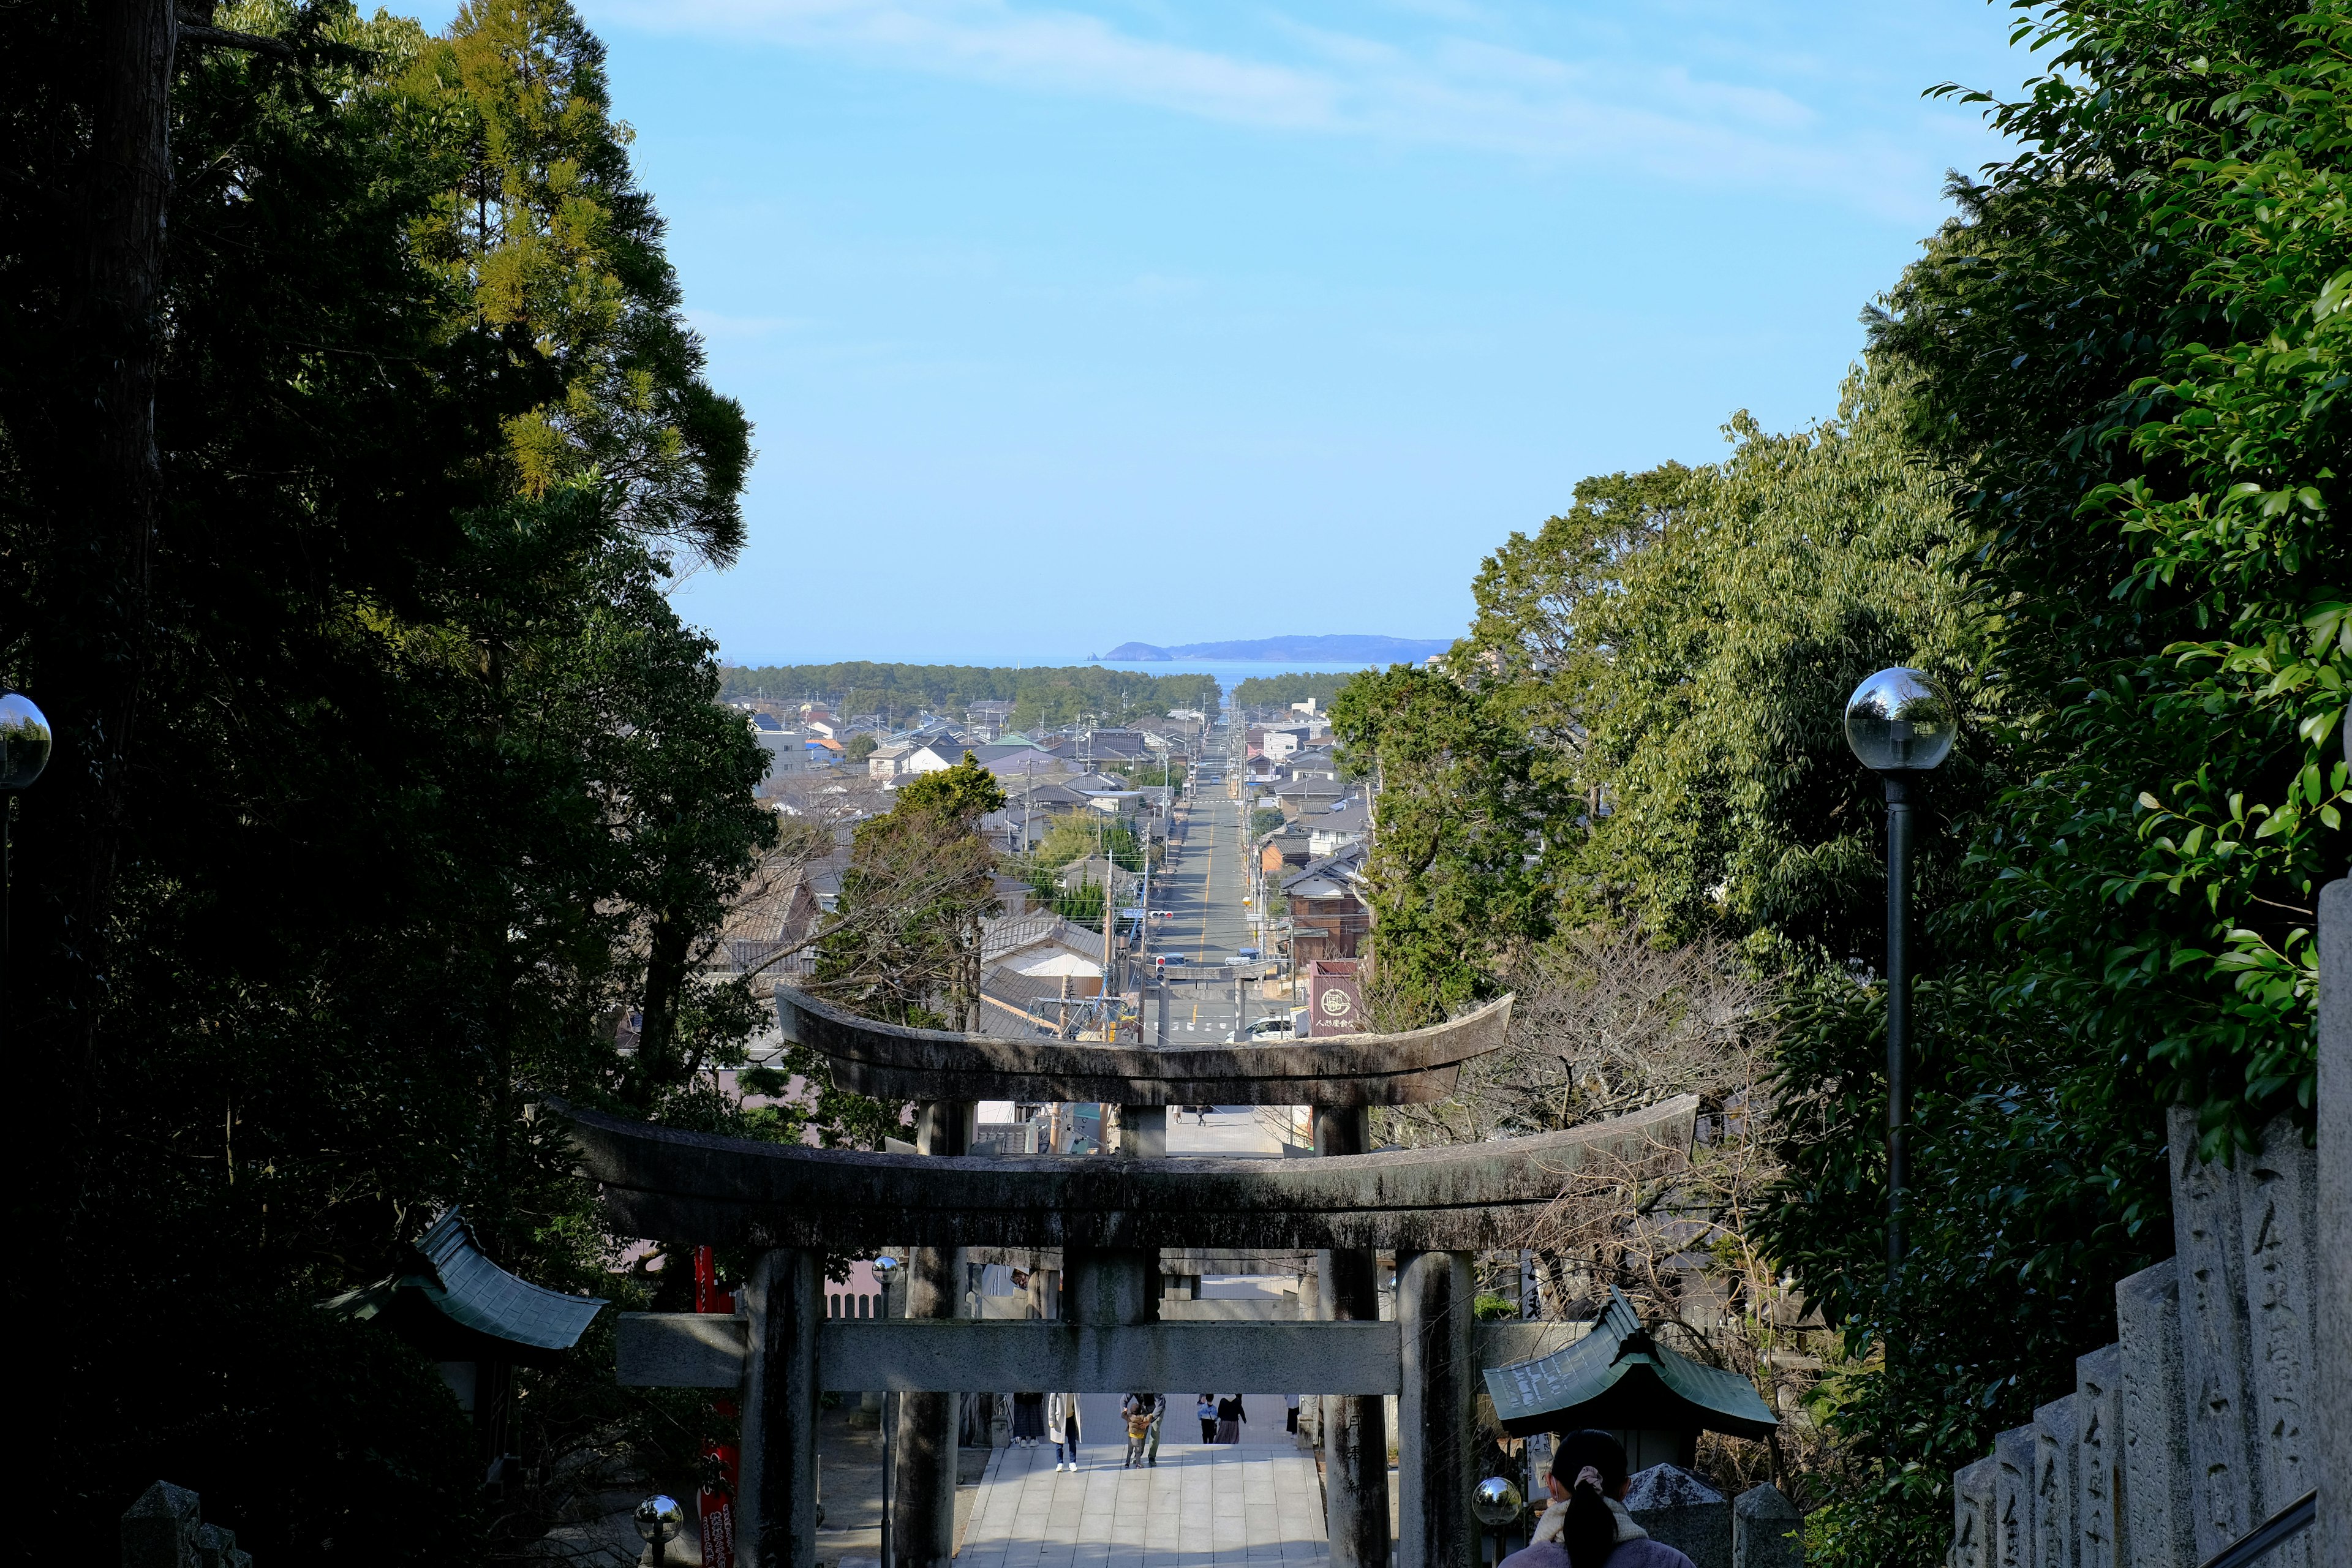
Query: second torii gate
column 1436, row 1207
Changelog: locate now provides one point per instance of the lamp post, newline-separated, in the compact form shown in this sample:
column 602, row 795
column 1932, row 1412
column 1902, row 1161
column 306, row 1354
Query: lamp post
column 1901, row 723
column 659, row 1520
column 1497, row 1504
column 24, row 752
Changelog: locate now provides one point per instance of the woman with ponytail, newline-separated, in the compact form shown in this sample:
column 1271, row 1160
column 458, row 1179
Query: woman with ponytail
column 1587, row 1525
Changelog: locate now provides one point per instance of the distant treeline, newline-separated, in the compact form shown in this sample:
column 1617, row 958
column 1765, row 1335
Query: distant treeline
column 1282, row 691
column 1041, row 697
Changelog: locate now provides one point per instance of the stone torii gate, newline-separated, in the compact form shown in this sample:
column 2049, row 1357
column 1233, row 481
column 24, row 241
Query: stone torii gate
column 1435, row 1207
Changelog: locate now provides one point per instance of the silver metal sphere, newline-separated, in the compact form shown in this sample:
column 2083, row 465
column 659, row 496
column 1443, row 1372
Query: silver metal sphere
column 1496, row 1502
column 24, row 740
column 660, row 1519
column 1901, row 721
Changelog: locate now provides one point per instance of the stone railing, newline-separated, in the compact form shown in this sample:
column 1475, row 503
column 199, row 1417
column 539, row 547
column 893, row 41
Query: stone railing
column 2225, row 1400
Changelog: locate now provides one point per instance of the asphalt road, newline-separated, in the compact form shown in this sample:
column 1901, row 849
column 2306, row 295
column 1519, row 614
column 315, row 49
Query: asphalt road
column 1203, row 884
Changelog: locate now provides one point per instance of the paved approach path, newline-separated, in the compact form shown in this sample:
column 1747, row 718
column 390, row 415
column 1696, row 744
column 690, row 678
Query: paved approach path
column 1205, row 1503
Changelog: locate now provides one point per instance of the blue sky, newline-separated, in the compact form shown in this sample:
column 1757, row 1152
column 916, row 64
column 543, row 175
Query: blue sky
column 1063, row 324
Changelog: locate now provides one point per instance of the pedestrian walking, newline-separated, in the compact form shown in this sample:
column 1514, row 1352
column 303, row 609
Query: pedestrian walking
column 1152, row 1438
column 1230, row 1416
column 1587, row 1525
column 1062, row 1421
column 1290, row 1419
column 1138, row 1409
column 1028, row 1419
column 1207, row 1410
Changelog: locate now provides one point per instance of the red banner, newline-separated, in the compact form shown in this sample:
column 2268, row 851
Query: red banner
column 716, row 1508
column 1335, row 997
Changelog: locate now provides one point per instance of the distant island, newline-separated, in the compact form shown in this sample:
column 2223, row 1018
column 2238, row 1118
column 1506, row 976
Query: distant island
column 1321, row 650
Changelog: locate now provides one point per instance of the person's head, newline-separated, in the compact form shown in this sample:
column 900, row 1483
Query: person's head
column 1587, row 1469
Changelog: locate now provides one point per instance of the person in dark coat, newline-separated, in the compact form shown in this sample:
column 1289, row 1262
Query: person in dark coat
column 1587, row 1525
column 1230, row 1416
column 1028, row 1419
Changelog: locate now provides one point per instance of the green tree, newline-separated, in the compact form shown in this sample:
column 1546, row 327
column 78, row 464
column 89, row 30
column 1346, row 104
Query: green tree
column 388, row 782
column 905, row 943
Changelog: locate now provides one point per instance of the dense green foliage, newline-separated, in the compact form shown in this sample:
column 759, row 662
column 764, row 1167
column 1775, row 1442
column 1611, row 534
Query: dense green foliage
column 388, row 784
column 2091, row 478
column 1042, row 698
column 1279, row 691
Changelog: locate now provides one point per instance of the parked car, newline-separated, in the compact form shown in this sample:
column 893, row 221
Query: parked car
column 1270, row 1029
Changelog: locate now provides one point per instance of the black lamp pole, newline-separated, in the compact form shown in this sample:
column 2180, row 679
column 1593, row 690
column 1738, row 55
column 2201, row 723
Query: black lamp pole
column 24, row 752
column 1901, row 723
column 1898, row 1004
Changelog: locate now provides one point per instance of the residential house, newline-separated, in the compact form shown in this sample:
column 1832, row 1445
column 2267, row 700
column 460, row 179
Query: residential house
column 1328, row 916
column 1334, row 830
column 771, row 916
column 883, row 761
column 1308, row 797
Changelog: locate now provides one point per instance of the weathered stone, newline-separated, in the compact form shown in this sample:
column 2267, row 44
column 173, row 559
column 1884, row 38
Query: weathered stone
column 680, row 1349
column 2013, row 1497
column 2054, row 1453
column 1767, row 1530
column 2208, row 1235
column 974, row 1355
column 2155, row 1413
column 1354, row 1426
column 661, row 1182
column 159, row 1529
column 1682, row 1511
column 217, row 1548
column 894, row 1063
column 1435, row 1306
column 2332, row 1538
column 2278, row 1197
column 1975, row 1533
column 776, row 1500
column 2101, row 1519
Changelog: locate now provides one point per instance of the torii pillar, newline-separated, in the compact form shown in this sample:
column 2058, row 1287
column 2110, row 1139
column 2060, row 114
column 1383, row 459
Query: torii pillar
column 923, row 1444
column 1354, row 1425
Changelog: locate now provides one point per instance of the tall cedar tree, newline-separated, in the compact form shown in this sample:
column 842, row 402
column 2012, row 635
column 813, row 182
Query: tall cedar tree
column 387, row 782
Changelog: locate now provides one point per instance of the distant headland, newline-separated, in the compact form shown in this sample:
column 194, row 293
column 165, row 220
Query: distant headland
column 1275, row 650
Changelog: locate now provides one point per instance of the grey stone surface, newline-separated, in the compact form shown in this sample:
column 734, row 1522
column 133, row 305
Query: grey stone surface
column 662, row 1182
column 2277, row 1198
column 1974, row 1533
column 2158, row 1522
column 1436, row 1307
column 158, row 1528
column 977, row 1355
column 1767, row 1530
column 2013, row 1497
column 217, row 1548
column 776, row 1497
column 895, row 1063
column 2207, row 1235
column 1353, row 1427
column 2055, row 1450
column 680, row 1350
column 1682, row 1511
column 2332, row 1535
column 2101, row 1519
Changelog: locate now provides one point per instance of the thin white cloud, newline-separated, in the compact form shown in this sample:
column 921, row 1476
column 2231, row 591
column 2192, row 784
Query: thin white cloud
column 1640, row 117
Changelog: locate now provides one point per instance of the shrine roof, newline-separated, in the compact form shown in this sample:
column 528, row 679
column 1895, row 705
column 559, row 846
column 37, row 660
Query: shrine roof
column 1618, row 1376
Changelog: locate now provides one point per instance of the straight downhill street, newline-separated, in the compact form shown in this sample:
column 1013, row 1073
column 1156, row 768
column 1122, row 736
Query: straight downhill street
column 1204, row 884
